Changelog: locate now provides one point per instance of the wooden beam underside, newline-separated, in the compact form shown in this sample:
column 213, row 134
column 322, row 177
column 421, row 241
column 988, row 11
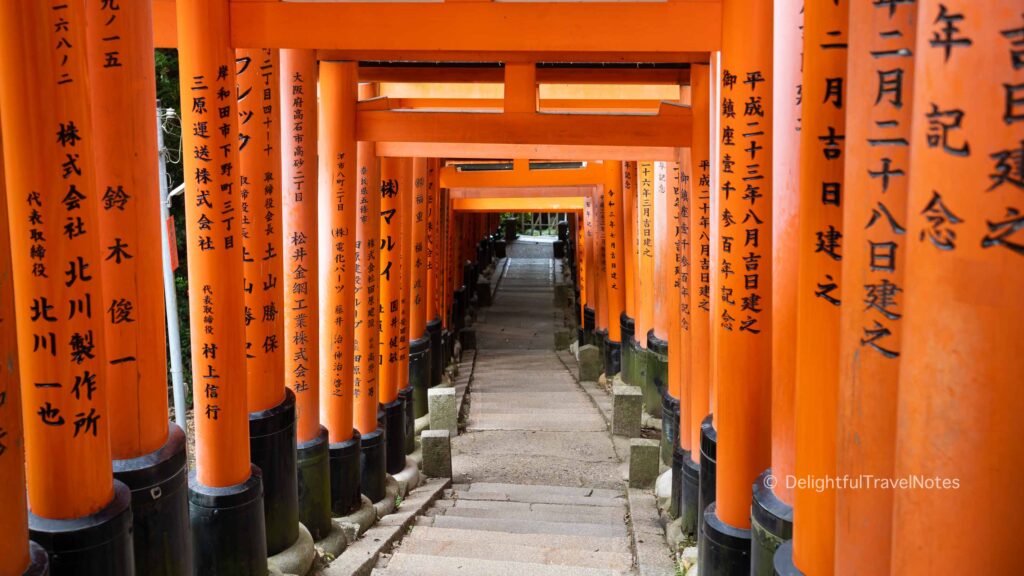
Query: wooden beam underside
column 477, row 74
column 678, row 31
column 519, row 204
column 521, row 178
column 490, row 151
column 526, row 192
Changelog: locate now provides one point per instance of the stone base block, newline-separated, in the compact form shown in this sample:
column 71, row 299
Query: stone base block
column 408, row 478
column 644, row 459
column 437, row 454
column 627, row 405
column 335, row 542
column 563, row 339
column 444, row 414
column 359, row 521
column 297, row 558
column 591, row 363
column 387, row 505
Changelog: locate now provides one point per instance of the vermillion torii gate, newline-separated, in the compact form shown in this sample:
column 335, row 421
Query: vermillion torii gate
column 800, row 305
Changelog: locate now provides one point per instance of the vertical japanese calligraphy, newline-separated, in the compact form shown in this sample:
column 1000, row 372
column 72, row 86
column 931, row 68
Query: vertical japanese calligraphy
column 960, row 352
column 366, row 359
column 699, row 220
column 55, row 249
column 213, row 216
column 259, row 153
column 821, row 245
column 877, row 166
column 680, row 283
column 629, row 239
column 613, row 235
column 645, row 185
column 338, row 216
column 742, row 325
column 299, row 174
column 123, row 89
column 392, row 177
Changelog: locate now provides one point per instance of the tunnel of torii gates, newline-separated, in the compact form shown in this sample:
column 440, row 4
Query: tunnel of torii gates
column 760, row 195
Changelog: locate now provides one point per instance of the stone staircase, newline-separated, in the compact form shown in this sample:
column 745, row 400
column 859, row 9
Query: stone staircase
column 486, row 529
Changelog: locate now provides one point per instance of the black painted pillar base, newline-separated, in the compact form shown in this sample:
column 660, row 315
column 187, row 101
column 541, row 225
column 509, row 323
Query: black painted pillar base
column 771, row 524
column 228, row 530
column 394, row 436
column 655, row 377
column 558, row 249
column 628, row 345
column 272, row 449
column 612, row 359
column 99, row 544
column 38, row 561
column 669, row 427
column 314, row 484
column 345, row 478
column 601, row 341
column 437, row 354
column 725, row 549
column 373, row 465
column 160, row 526
column 420, row 368
column 783, row 562
column 589, row 321
column 409, row 419
column 690, row 490
column 708, row 456
column 675, row 506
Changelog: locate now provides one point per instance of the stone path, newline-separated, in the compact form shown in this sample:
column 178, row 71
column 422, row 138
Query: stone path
column 538, row 485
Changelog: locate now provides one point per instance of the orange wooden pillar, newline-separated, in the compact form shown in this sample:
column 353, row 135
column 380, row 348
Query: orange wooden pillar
column 224, row 476
column 628, row 319
column 18, row 555
column 433, row 261
column 821, row 246
column 420, row 294
column 960, row 361
column 368, row 301
column 743, row 326
column 772, row 511
column 665, row 305
column 583, row 272
column 148, row 454
column 615, row 271
column 394, row 177
column 600, row 273
column 676, row 410
column 272, row 437
column 56, row 254
column 698, row 221
column 645, row 290
column 336, row 209
column 876, row 166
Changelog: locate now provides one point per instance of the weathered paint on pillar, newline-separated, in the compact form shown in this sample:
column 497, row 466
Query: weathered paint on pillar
column 214, row 216
column 743, row 325
column 299, row 174
column 645, row 179
column 123, row 91
column 614, row 233
column 14, row 555
column 259, row 155
column 700, row 255
column 820, row 273
column 366, row 359
column 629, row 238
column 56, row 257
column 417, row 249
column 788, row 43
column 960, row 403
column 874, row 220
column 392, row 213
column 680, row 281
column 338, row 237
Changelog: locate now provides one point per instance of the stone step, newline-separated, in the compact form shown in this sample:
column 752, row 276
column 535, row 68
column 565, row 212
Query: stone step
column 525, row 526
column 498, row 548
column 486, row 538
column 610, row 514
column 509, row 488
column 402, row 564
column 551, row 422
column 543, row 498
column 543, row 516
